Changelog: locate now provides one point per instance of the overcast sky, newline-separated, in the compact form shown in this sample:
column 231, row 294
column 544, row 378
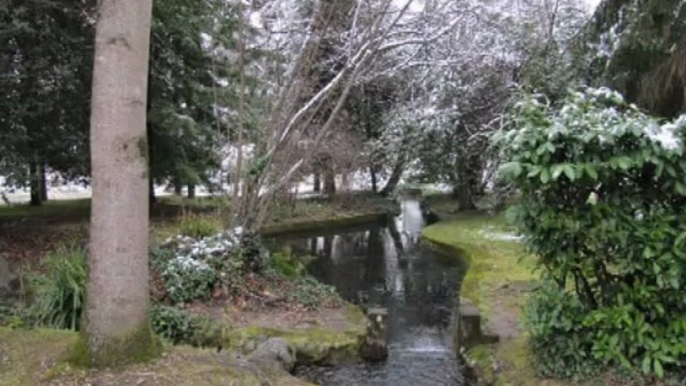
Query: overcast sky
column 592, row 3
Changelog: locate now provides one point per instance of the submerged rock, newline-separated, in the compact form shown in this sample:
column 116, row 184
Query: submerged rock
column 375, row 347
column 274, row 352
column 469, row 323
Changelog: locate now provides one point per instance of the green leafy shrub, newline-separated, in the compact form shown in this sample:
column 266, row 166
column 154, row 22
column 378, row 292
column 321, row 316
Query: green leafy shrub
column 179, row 326
column 7, row 313
column 603, row 204
column 60, row 295
column 254, row 255
column 554, row 318
column 198, row 227
column 311, row 293
column 284, row 264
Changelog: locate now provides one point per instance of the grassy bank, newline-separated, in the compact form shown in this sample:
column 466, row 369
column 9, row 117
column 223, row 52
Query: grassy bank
column 498, row 281
column 317, row 213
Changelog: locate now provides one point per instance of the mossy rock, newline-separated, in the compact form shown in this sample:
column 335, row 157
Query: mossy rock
column 482, row 365
column 312, row 346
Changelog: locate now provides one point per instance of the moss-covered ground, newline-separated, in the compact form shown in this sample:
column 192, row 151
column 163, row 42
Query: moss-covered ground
column 317, row 213
column 40, row 358
column 499, row 277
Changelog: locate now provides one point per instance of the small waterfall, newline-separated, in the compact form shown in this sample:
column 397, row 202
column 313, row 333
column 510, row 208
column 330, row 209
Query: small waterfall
column 412, row 218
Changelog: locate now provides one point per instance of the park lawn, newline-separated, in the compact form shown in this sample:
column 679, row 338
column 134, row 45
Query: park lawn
column 79, row 209
column 28, row 233
column 62, row 209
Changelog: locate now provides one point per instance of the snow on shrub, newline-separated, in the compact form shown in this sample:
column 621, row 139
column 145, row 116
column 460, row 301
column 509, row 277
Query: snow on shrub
column 603, row 203
column 198, row 265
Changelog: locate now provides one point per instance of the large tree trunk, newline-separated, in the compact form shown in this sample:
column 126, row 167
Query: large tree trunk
column 463, row 194
column 346, row 184
column 151, row 159
column 329, row 183
column 117, row 328
column 191, row 191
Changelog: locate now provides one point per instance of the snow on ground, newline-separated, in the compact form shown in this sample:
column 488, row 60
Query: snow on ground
column 499, row 235
column 358, row 181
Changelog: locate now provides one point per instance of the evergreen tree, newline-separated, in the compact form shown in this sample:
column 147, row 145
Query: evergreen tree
column 639, row 48
column 45, row 59
column 190, row 75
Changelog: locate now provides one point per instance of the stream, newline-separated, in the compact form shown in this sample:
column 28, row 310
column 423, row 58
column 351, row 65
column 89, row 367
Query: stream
column 383, row 265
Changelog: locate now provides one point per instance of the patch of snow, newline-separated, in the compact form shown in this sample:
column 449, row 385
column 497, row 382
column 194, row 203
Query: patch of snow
column 500, row 235
column 667, row 134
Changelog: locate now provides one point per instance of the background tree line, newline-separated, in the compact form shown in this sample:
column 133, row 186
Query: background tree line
column 47, row 57
column 420, row 111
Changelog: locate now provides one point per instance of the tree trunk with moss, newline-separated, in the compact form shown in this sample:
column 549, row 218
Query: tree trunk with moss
column 117, row 328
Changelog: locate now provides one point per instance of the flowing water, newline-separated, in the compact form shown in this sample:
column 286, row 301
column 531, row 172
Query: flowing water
column 382, row 265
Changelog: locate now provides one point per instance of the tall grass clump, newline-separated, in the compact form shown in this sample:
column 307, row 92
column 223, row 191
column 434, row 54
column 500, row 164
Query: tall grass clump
column 199, row 227
column 61, row 294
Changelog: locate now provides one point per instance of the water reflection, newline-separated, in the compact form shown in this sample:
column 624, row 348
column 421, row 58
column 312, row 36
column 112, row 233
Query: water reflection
column 382, row 265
